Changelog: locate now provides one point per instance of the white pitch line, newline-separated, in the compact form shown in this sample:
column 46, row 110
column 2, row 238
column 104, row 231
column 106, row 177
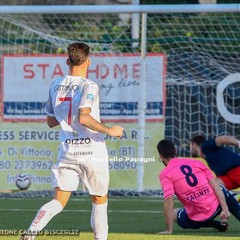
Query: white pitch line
column 79, row 210
column 80, row 199
column 124, row 200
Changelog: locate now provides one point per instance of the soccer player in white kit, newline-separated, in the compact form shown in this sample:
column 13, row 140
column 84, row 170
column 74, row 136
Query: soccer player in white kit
column 74, row 104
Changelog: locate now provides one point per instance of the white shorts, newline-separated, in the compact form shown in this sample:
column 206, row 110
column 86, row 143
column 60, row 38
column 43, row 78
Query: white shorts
column 93, row 175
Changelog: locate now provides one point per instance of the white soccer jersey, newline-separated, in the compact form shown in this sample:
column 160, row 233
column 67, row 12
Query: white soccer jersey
column 78, row 143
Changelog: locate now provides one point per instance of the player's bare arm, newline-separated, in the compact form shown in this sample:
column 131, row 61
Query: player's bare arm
column 225, row 214
column 52, row 121
column 169, row 215
column 228, row 140
column 88, row 121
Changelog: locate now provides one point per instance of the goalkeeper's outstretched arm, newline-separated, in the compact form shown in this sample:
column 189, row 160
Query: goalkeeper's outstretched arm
column 227, row 140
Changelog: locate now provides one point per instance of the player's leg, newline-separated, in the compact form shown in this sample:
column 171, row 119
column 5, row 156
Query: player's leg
column 233, row 206
column 99, row 218
column 234, row 175
column 185, row 222
column 219, row 225
column 65, row 180
column 228, row 181
column 95, row 177
column 231, row 182
column 48, row 211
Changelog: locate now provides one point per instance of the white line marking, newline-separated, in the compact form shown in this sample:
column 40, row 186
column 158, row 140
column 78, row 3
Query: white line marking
column 88, row 199
column 79, row 210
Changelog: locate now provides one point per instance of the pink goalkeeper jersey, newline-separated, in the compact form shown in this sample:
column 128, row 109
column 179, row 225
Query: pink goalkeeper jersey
column 189, row 180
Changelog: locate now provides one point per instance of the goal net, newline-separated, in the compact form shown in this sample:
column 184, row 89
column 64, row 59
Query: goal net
column 202, row 52
column 190, row 55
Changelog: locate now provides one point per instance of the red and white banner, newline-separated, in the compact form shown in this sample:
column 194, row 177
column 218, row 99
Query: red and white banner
column 26, row 80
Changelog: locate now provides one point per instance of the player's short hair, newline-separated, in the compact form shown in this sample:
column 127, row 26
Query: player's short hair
column 198, row 139
column 78, row 53
column 166, row 149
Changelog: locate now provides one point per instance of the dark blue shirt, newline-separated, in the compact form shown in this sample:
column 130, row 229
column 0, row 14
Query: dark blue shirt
column 219, row 159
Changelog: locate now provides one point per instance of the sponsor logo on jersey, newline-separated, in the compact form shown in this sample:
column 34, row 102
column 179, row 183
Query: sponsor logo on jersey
column 81, row 153
column 77, row 141
column 90, row 97
column 65, row 88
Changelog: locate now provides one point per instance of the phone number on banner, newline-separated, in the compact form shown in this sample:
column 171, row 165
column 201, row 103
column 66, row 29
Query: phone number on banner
column 122, row 165
column 26, row 165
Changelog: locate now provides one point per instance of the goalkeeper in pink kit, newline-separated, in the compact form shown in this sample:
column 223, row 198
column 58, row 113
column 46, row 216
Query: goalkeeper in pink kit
column 197, row 189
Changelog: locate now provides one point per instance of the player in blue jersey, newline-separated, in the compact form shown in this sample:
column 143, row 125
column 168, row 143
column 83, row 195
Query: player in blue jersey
column 221, row 160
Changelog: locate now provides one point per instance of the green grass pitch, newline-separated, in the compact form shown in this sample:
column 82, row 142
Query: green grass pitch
column 130, row 218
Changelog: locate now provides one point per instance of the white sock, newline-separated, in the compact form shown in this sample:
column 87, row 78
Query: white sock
column 99, row 221
column 44, row 215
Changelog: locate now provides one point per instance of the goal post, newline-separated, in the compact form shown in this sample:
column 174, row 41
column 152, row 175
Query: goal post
column 173, row 83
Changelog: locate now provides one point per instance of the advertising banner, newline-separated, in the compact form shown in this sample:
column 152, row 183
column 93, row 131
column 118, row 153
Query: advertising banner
column 26, row 81
column 29, row 146
column 31, row 149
